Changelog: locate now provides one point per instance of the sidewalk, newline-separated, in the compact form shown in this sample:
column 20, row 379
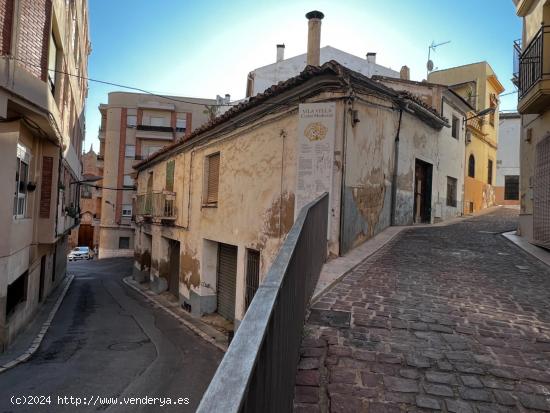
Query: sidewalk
column 535, row 251
column 217, row 336
column 29, row 340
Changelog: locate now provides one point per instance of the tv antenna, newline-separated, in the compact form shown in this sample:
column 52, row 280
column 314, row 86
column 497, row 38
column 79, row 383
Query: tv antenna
column 430, row 63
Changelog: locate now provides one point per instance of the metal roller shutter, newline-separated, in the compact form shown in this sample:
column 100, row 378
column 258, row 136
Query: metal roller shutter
column 227, row 280
column 541, row 194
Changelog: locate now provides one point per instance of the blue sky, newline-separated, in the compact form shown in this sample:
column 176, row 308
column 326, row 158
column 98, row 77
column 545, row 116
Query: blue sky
column 200, row 49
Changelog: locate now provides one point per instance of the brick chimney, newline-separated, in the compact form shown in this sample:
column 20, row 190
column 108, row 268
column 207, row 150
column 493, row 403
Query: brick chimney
column 314, row 37
column 280, row 52
column 405, row 73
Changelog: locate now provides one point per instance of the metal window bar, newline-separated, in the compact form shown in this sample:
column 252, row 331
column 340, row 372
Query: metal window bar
column 258, row 371
column 531, row 67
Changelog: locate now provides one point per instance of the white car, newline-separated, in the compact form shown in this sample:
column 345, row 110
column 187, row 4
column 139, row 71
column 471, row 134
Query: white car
column 80, row 253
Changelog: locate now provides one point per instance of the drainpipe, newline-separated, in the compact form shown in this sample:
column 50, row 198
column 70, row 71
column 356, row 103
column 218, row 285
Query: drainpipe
column 395, row 170
column 347, row 108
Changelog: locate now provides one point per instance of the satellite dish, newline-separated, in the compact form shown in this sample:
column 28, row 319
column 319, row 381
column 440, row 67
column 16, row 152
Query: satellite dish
column 430, row 65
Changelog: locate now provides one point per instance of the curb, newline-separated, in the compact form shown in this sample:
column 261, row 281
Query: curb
column 40, row 336
column 541, row 255
column 197, row 331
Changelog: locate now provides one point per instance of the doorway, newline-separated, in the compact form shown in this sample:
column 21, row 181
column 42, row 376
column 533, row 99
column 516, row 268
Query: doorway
column 422, row 191
column 86, row 235
column 227, row 280
column 174, row 274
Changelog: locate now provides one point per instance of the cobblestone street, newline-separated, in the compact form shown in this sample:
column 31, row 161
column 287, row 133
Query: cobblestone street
column 453, row 318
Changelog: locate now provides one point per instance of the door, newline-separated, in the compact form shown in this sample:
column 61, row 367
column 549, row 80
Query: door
column 86, row 236
column 252, row 276
column 422, row 191
column 174, row 277
column 541, row 194
column 227, row 280
column 42, row 278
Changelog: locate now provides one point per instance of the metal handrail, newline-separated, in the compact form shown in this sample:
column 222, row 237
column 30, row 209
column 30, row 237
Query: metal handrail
column 258, row 371
column 531, row 62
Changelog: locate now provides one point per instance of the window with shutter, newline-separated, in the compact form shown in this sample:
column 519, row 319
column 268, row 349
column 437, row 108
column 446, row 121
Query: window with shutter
column 212, row 180
column 170, row 175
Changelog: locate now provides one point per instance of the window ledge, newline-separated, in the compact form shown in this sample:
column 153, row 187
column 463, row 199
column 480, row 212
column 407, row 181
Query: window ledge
column 210, row 205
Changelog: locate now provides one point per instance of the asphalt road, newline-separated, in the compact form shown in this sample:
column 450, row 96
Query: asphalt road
column 107, row 342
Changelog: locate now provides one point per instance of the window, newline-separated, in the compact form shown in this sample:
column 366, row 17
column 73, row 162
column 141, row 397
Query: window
column 130, row 151
column 181, row 124
column 85, row 191
column 472, row 166
column 157, row 121
column 124, row 243
column 511, row 188
column 490, row 172
column 212, row 173
column 451, row 191
column 131, row 121
column 149, row 150
column 21, row 179
column 52, row 63
column 128, row 181
column 127, row 210
column 455, row 128
column 17, row 293
column 170, row 175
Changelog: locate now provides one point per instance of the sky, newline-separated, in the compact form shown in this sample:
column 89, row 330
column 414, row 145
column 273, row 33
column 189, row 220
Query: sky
column 207, row 48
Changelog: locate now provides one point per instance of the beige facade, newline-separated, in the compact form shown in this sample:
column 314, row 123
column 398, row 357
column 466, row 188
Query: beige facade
column 213, row 234
column 533, row 80
column 478, row 84
column 134, row 126
column 42, row 44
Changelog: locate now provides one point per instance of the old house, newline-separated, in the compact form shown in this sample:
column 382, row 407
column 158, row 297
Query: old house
column 478, row 84
column 508, row 165
column 134, row 126
column 532, row 77
column 87, row 233
column 44, row 48
column 213, row 208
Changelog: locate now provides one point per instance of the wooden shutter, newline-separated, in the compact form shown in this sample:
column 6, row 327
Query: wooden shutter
column 46, row 187
column 213, row 179
column 170, row 175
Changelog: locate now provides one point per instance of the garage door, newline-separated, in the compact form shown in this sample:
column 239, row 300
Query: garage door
column 541, row 194
column 227, row 280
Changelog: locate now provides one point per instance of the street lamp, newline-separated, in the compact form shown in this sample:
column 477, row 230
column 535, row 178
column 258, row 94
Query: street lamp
column 481, row 113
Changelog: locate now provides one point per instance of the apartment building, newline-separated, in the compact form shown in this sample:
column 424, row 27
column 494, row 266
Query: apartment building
column 532, row 77
column 214, row 209
column 507, row 182
column 43, row 44
column 134, row 126
column 478, row 84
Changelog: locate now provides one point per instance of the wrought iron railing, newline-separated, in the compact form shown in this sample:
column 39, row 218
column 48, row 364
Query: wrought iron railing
column 150, row 128
column 531, row 61
column 516, row 57
column 258, row 371
column 158, row 204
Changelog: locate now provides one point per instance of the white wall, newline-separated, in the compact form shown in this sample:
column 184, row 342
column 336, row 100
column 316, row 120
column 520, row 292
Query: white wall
column 508, row 148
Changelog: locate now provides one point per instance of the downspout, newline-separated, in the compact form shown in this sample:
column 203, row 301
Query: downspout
column 343, row 181
column 395, row 170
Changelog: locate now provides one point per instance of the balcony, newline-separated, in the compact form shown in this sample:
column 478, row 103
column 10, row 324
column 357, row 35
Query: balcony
column 533, row 79
column 149, row 128
column 156, row 206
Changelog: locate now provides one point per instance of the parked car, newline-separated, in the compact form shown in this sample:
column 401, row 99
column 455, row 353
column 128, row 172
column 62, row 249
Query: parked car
column 80, row 253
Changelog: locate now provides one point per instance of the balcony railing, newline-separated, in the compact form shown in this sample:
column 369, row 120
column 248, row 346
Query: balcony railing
column 531, row 61
column 150, row 128
column 157, row 205
column 517, row 55
column 258, row 371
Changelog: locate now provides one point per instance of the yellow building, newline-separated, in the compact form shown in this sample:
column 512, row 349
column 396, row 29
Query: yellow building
column 479, row 85
column 532, row 77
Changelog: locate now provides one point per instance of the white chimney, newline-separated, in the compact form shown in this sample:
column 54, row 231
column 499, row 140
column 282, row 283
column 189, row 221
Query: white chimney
column 371, row 57
column 314, row 37
column 280, row 52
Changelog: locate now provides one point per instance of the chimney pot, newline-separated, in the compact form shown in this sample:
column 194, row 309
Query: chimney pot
column 280, row 52
column 314, row 37
column 371, row 57
column 405, row 73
